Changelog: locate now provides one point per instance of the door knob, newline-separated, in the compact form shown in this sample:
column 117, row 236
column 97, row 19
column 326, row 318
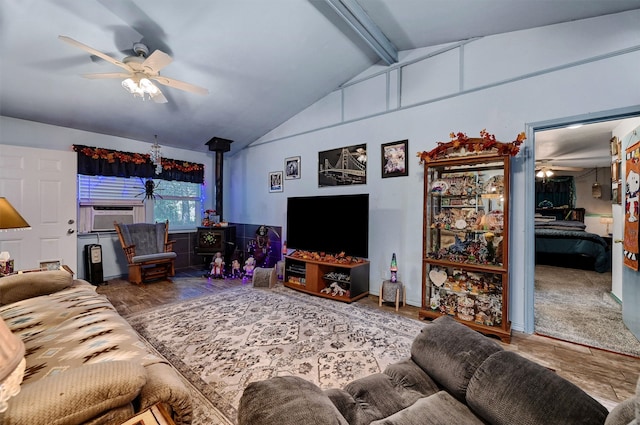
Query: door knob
column 617, row 241
column 71, row 221
column 70, row 231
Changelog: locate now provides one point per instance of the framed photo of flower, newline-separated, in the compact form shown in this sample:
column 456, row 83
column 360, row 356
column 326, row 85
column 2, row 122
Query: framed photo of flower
column 394, row 159
column 292, row 168
column 275, row 181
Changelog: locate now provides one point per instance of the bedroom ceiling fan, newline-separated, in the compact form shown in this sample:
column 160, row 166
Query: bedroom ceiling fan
column 546, row 169
column 140, row 69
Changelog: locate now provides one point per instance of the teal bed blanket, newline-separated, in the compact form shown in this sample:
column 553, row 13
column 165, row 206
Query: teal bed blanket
column 574, row 242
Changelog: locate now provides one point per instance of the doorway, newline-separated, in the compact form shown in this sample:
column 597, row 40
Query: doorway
column 561, row 294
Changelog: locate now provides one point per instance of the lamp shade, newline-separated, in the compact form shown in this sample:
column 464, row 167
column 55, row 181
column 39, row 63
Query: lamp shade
column 606, row 220
column 12, row 364
column 9, row 217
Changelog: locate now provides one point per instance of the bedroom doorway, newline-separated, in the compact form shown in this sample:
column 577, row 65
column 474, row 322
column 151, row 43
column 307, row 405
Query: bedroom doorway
column 579, row 303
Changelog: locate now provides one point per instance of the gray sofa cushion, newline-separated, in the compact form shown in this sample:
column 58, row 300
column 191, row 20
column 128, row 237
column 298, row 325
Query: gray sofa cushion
column 380, row 395
column 438, row 409
column 509, row 389
column 377, row 396
column 450, row 353
column 409, row 377
column 287, row 400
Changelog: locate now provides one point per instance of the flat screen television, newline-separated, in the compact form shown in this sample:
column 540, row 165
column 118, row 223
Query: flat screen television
column 329, row 224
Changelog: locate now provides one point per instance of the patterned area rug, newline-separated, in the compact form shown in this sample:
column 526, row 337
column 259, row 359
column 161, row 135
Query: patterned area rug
column 576, row 305
column 222, row 342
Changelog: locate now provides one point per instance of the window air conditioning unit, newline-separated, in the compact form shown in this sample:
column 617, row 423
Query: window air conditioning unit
column 102, row 217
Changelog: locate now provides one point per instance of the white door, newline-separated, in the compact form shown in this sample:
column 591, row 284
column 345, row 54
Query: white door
column 41, row 185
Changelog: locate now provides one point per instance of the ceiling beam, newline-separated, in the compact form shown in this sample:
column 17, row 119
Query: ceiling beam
column 357, row 18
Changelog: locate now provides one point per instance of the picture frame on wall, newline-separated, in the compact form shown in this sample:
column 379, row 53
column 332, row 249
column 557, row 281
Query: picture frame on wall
column 616, row 197
column 394, row 159
column 275, row 181
column 343, row 166
column 614, row 147
column 615, row 171
column 292, row 168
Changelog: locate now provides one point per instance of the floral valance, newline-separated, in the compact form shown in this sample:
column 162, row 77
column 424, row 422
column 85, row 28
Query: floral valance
column 105, row 162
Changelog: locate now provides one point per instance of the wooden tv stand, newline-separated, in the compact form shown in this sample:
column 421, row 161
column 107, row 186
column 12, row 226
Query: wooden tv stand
column 312, row 277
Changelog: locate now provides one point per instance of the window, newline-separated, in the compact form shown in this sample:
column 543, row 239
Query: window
column 176, row 201
column 556, row 192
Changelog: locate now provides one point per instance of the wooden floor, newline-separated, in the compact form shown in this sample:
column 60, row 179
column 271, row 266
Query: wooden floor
column 608, row 377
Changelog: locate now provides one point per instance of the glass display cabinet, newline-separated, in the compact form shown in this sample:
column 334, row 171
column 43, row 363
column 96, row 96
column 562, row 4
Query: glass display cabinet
column 465, row 259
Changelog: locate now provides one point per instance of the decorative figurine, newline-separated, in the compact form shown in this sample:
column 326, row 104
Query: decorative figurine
column 217, row 266
column 394, row 269
column 236, row 272
column 249, row 265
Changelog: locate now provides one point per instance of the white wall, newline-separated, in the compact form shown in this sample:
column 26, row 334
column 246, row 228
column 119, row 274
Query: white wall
column 28, row 133
column 502, row 83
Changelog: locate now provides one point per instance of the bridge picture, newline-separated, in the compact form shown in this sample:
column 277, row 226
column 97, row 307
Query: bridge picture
column 343, row 166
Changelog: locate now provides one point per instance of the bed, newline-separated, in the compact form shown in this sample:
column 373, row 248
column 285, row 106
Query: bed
column 565, row 243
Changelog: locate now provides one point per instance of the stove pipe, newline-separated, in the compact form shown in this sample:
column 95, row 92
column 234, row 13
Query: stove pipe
column 219, row 146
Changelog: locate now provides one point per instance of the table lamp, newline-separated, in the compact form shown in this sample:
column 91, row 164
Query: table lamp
column 607, row 221
column 9, row 217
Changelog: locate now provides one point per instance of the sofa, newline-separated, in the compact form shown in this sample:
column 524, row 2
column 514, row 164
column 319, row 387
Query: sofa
column 454, row 376
column 84, row 363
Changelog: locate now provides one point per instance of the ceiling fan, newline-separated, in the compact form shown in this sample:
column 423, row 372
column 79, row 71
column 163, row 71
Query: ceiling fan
column 546, row 169
column 140, row 69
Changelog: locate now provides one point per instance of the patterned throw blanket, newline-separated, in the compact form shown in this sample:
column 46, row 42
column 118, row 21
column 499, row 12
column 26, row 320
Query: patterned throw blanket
column 71, row 328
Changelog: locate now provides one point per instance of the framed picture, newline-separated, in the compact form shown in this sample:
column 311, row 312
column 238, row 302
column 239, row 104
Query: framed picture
column 50, row 264
column 614, row 146
column 394, row 159
column 343, row 166
column 275, row 181
column 292, row 168
column 616, row 196
column 615, row 171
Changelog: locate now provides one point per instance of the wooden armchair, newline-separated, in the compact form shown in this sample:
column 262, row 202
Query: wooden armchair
column 149, row 252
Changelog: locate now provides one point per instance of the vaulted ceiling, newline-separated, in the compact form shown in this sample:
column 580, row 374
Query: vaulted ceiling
column 261, row 61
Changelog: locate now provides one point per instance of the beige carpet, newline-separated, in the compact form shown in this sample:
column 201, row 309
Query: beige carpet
column 222, row 342
column 576, row 306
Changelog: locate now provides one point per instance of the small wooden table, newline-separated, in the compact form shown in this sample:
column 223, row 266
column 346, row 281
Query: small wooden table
column 392, row 292
column 155, row 415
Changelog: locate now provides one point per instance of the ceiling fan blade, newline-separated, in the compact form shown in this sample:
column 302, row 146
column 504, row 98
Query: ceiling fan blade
column 158, row 97
column 156, row 61
column 107, row 75
column 181, row 85
column 93, row 51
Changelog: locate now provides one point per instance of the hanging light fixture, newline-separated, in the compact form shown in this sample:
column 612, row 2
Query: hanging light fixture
column 156, row 156
column 596, row 189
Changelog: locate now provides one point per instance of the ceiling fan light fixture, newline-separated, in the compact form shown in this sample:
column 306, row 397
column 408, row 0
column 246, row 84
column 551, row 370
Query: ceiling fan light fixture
column 545, row 172
column 147, row 86
column 140, row 86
